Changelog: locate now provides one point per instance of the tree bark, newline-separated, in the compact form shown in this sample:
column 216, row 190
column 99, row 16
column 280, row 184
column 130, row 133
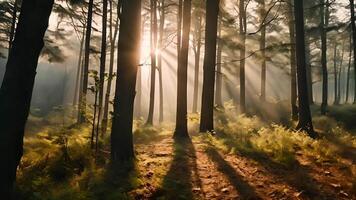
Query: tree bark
column 243, row 25
column 128, row 61
column 218, row 90
column 197, row 52
column 293, row 64
column 160, row 48
column 349, row 71
column 82, row 107
column 207, row 109
column 181, row 129
column 353, row 28
column 305, row 121
column 17, row 87
column 263, row 52
column 324, row 23
column 335, row 74
column 153, row 61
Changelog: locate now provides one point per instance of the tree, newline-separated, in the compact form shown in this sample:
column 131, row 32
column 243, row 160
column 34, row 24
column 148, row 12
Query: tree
column 353, row 30
column 293, row 72
column 198, row 20
column 13, row 22
column 243, row 28
column 207, row 109
column 349, row 70
column 263, row 51
column 181, row 129
column 82, row 106
column 218, row 88
column 17, row 87
column 160, row 48
column 153, row 60
column 128, row 61
column 324, row 21
column 305, row 121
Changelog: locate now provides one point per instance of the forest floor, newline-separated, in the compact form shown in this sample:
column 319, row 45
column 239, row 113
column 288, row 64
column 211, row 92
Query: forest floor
column 246, row 158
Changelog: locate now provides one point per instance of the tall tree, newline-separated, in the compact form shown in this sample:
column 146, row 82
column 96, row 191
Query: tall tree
column 153, row 40
column 181, row 129
column 349, row 70
column 112, row 35
column 17, row 87
column 305, row 121
column 198, row 20
column 324, row 21
column 159, row 65
column 263, row 50
column 82, row 106
column 128, row 61
column 13, row 23
column 353, row 30
column 218, row 88
column 291, row 25
column 243, row 26
column 207, row 108
column 335, row 73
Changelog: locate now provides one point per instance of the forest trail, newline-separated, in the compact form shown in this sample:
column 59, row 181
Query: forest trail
column 195, row 169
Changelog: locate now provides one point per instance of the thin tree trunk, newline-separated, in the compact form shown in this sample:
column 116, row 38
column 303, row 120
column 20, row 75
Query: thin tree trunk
column 353, row 28
column 335, row 74
column 309, row 74
column 243, row 25
column 104, row 123
column 323, row 25
column 179, row 29
column 340, row 72
column 181, row 129
column 153, row 61
column 197, row 52
column 349, row 71
column 263, row 52
column 160, row 47
column 13, row 24
column 138, row 100
column 305, row 121
column 291, row 25
column 219, row 75
column 207, row 108
column 82, row 107
column 102, row 70
column 17, row 87
column 128, row 61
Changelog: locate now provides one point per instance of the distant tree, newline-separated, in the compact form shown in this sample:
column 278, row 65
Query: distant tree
column 305, row 121
column 82, row 106
column 349, row 69
column 219, row 74
column 153, row 40
column 181, row 129
column 263, row 50
column 159, row 59
column 207, row 109
column 17, row 87
column 128, row 61
column 243, row 28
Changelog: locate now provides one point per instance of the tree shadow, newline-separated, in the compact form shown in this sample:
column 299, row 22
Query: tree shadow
column 345, row 150
column 295, row 175
column 245, row 190
column 178, row 182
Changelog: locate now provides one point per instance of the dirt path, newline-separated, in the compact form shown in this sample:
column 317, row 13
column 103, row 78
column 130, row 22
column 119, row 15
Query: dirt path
column 194, row 170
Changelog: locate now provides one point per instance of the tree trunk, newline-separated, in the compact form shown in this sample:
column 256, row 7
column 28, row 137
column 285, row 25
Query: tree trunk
column 349, row 71
column 353, row 28
column 218, row 93
column 113, row 36
column 263, row 52
column 181, row 129
column 335, row 74
column 243, row 25
column 197, row 52
column 207, row 106
column 153, row 61
column 179, row 29
column 323, row 25
column 79, row 67
column 17, row 87
column 128, row 61
column 309, row 74
column 160, row 48
column 102, row 69
column 13, row 24
column 86, row 62
column 293, row 66
column 305, row 121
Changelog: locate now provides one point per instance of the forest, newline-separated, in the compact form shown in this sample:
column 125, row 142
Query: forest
column 177, row 99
